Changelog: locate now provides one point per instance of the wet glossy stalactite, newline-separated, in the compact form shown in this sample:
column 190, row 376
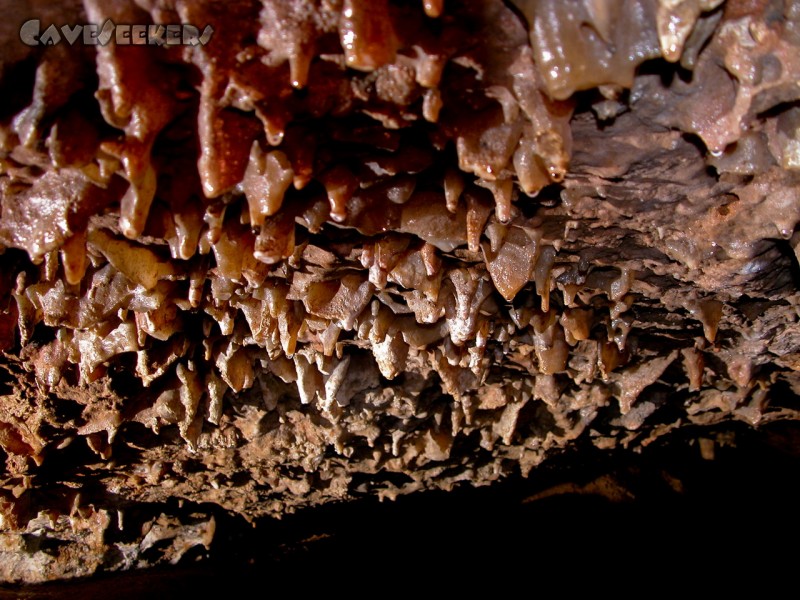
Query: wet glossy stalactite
column 355, row 248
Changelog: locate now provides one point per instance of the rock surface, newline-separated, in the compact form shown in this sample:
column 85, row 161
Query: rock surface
column 353, row 248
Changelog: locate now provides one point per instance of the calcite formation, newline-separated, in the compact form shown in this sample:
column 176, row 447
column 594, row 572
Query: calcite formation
column 371, row 247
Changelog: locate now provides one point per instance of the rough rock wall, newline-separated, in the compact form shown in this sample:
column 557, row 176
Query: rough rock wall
column 351, row 248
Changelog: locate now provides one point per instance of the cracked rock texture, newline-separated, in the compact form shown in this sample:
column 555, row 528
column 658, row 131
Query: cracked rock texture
column 354, row 247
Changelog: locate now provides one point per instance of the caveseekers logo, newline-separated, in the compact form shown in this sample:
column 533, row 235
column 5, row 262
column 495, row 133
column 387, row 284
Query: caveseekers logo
column 92, row 34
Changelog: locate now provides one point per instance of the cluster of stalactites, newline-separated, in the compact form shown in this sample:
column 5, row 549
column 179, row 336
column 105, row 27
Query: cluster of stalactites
column 586, row 44
column 217, row 246
column 372, row 59
column 402, row 299
column 746, row 53
column 389, row 64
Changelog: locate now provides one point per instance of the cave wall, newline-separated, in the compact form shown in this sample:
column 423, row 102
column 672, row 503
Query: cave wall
column 348, row 249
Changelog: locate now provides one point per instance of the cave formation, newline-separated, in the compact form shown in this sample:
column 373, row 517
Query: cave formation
column 352, row 248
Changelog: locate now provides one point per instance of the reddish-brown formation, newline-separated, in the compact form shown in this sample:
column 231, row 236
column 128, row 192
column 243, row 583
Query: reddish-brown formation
column 354, row 247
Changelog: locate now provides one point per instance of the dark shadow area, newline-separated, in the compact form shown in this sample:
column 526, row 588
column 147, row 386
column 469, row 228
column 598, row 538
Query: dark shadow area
column 668, row 512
